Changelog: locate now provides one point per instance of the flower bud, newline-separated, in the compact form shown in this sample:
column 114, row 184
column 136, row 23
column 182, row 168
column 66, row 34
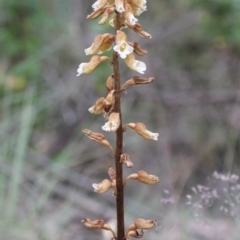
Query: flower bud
column 122, row 47
column 143, row 177
column 110, row 83
column 85, row 68
column 101, row 43
column 136, row 81
column 109, row 101
column 103, row 186
column 138, row 29
column 135, row 65
column 111, row 172
column 125, row 158
column 113, row 123
column 98, row 137
column 141, row 129
column 98, row 107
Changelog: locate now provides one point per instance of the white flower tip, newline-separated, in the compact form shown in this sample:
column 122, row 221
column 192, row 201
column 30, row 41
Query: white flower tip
column 87, row 51
column 110, row 127
column 91, row 109
column 80, row 69
column 155, row 136
column 95, row 186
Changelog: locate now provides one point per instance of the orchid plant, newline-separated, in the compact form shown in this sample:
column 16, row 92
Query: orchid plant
column 119, row 14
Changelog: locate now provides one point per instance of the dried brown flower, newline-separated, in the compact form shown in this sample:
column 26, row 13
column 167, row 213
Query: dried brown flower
column 143, row 177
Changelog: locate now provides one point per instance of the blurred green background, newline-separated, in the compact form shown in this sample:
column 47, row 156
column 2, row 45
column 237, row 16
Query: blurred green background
column 47, row 166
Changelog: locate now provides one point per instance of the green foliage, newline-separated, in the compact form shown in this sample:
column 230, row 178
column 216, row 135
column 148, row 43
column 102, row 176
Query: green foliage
column 221, row 21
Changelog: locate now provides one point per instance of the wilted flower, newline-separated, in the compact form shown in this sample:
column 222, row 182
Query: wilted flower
column 136, row 81
column 103, row 186
column 137, row 49
column 141, row 223
column 138, row 29
column 141, row 129
column 98, row 107
column 113, row 122
column 102, row 42
column 125, row 158
column 119, row 6
column 98, row 224
column 138, row 6
column 92, row 65
column 128, row 14
column 134, row 64
column 122, row 47
column 98, row 137
column 99, row 4
column 143, row 177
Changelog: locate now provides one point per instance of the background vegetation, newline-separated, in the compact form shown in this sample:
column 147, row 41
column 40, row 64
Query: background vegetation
column 47, row 166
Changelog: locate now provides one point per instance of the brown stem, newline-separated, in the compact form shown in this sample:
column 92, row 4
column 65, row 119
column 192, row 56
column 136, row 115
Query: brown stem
column 119, row 144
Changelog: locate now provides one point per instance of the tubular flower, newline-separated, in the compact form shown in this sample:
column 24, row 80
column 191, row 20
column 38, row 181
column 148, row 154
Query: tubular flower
column 143, row 177
column 98, row 137
column 101, row 43
column 125, row 158
column 113, row 123
column 103, row 186
column 138, row 6
column 128, row 14
column 134, row 64
column 141, row 129
column 122, row 47
column 85, row 68
column 98, row 107
column 136, row 81
column 141, row 223
column 98, row 224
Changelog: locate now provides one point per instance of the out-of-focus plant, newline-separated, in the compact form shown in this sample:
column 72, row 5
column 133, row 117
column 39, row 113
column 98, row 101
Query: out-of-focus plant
column 120, row 14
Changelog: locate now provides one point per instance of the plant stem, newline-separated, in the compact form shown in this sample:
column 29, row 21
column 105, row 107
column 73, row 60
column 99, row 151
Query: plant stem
column 119, row 144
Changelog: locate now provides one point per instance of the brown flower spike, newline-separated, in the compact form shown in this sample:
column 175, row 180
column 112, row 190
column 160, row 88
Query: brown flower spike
column 123, row 15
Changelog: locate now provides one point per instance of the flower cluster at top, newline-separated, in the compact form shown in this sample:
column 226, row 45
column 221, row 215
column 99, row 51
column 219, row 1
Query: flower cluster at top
column 127, row 9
